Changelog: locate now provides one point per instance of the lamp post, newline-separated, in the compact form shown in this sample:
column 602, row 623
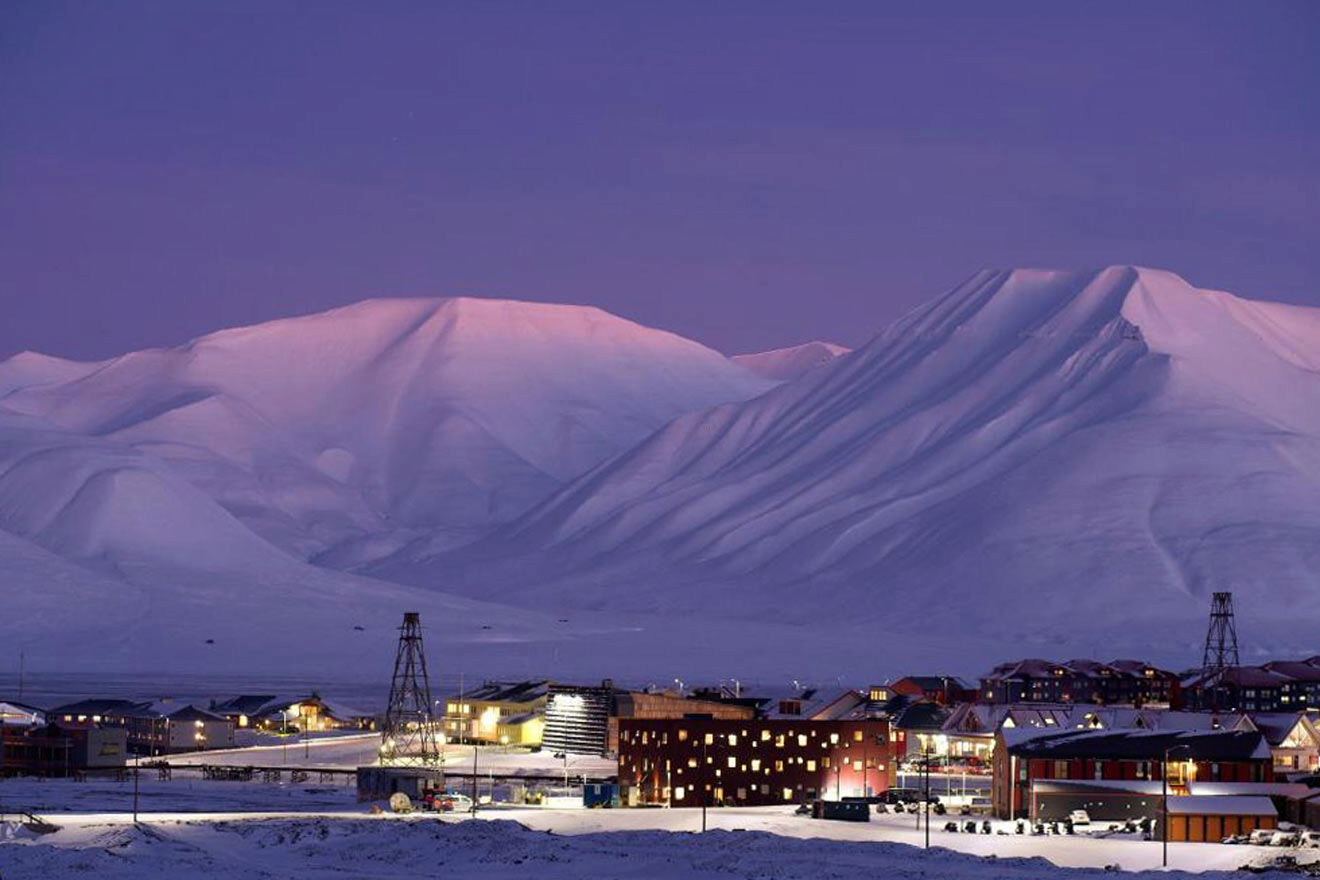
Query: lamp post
column 1164, row 797
column 704, row 776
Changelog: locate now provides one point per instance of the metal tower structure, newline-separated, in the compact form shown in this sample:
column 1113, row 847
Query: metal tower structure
column 408, row 737
column 1221, row 643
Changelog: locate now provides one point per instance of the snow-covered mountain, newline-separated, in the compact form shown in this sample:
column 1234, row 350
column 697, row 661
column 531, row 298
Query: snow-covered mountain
column 1064, row 459
column 786, row 364
column 348, row 433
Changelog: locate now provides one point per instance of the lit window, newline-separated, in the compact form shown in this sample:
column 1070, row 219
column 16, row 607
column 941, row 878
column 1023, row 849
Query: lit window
column 857, row 765
column 802, row 739
column 733, row 762
column 710, row 739
column 733, row 739
column 834, row 738
column 679, row 793
column 765, row 735
column 857, row 736
column 682, row 735
column 811, row 766
column 756, row 765
column 788, row 794
column 692, row 762
column 779, row 766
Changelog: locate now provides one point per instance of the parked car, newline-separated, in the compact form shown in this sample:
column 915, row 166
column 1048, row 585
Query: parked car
column 894, row 796
column 1309, row 838
column 1284, row 838
column 1079, row 817
column 451, row 802
column 1261, row 837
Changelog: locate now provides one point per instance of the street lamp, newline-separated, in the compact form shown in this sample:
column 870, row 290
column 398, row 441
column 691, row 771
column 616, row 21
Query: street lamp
column 1164, row 796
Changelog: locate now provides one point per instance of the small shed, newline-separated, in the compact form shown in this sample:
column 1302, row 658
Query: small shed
column 1210, row 818
column 378, row 783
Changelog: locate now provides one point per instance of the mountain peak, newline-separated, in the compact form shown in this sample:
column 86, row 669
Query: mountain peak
column 792, row 362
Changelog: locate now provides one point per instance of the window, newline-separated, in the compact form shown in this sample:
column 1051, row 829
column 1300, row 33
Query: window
column 692, row 762
column 733, row 762
column 834, row 738
column 710, row 739
column 811, row 766
column 765, row 735
column 788, row 794
column 679, row 793
column 733, row 739
column 756, row 765
column 802, row 739
column 779, row 766
column 682, row 734
column 857, row 736
column 857, row 764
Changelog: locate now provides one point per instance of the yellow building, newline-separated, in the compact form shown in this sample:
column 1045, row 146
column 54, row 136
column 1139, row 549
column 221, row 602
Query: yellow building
column 497, row 712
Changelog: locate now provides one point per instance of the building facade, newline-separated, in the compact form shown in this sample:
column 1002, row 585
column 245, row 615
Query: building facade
column 1277, row 686
column 702, row 761
column 1121, row 682
column 507, row 713
column 1027, row 762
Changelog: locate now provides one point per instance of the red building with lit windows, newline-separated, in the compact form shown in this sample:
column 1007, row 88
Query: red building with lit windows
column 696, row 761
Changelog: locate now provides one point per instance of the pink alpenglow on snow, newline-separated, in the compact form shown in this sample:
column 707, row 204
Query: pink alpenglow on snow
column 787, row 364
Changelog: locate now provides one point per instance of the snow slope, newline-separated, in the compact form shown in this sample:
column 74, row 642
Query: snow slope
column 1030, row 457
column 786, row 364
column 564, row 844
column 348, row 433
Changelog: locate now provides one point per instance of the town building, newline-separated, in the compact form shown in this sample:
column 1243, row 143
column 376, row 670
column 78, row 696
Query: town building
column 943, row 690
column 16, row 714
column 702, row 761
column 279, row 713
column 56, row 749
column 584, row 720
column 152, row 727
column 1122, row 682
column 1277, row 686
column 507, row 713
column 1034, row 770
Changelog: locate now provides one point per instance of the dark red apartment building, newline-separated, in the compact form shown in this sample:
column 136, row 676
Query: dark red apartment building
column 691, row 762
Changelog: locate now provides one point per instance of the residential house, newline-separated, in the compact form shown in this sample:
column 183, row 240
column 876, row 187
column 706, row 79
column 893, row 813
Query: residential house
column 292, row 713
column 152, row 727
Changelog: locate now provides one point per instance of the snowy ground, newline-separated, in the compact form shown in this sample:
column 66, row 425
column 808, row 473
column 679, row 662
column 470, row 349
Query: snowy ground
column 580, row 844
column 349, row 752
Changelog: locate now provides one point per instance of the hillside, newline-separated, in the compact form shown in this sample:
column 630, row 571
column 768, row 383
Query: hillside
column 1062, row 459
column 346, row 434
column 794, row 362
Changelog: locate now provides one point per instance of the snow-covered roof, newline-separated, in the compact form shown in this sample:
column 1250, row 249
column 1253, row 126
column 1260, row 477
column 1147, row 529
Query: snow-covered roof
column 1221, row 805
column 1134, row 786
column 1218, row 745
column 20, row 714
column 1294, row 790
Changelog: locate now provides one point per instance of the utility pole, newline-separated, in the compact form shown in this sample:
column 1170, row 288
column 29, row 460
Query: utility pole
column 705, row 774
column 475, row 748
column 136, row 771
column 925, row 766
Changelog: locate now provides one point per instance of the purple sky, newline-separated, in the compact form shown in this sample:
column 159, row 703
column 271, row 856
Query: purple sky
column 750, row 177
